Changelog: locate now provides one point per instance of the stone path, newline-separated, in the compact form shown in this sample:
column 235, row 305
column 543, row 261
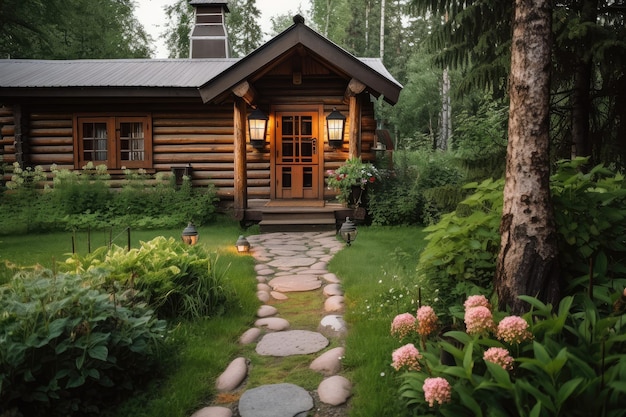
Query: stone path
column 287, row 263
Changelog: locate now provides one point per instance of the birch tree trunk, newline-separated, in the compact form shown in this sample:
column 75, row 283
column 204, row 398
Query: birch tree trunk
column 527, row 262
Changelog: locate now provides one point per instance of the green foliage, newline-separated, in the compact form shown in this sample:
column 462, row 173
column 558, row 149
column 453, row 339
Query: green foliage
column 176, row 280
column 591, row 220
column 421, row 186
column 354, row 173
column 69, row 343
column 573, row 365
column 71, row 29
column 81, row 200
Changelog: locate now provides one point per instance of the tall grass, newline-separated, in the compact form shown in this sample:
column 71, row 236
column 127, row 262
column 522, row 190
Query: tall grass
column 378, row 276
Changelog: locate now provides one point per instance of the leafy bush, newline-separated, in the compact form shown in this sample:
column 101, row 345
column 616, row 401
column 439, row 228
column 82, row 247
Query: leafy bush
column 176, row 280
column 569, row 362
column 590, row 210
column 421, row 186
column 82, row 199
column 68, row 344
column 354, row 173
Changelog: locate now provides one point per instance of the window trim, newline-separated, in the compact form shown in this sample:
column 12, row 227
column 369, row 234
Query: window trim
column 113, row 161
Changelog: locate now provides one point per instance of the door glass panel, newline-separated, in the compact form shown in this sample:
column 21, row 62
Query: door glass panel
column 288, row 125
column 286, row 177
column 307, row 177
column 307, row 125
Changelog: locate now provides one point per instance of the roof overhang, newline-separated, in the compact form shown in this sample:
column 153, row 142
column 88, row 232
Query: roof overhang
column 301, row 36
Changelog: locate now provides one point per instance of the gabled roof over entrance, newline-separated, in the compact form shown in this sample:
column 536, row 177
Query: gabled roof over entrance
column 369, row 71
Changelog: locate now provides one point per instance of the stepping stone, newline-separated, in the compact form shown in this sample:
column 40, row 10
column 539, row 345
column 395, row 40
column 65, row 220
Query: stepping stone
column 213, row 412
column 276, row 324
column 291, row 342
column 332, row 289
column 328, row 363
column 292, row 262
column 264, row 271
column 334, row 390
column 292, row 283
column 261, row 286
column 319, row 266
column 334, row 303
column 261, row 279
column 276, row 400
column 250, row 336
column 232, row 377
column 266, row 311
column 334, row 322
column 331, row 278
column 263, row 296
column 279, row 252
column 278, row 295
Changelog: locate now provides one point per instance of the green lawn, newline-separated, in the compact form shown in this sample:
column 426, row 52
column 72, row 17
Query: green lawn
column 377, row 273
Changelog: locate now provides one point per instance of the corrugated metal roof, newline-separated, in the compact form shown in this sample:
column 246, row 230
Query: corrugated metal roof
column 174, row 73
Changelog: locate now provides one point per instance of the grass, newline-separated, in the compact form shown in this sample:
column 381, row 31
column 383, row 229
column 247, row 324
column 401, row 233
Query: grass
column 378, row 276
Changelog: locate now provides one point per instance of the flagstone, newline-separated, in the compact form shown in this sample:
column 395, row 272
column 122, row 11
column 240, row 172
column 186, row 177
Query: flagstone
column 291, row 342
column 293, row 283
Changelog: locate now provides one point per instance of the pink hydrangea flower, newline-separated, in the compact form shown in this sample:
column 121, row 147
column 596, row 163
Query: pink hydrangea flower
column 499, row 356
column 437, row 390
column 403, row 325
column 427, row 320
column 407, row 357
column 478, row 320
column 513, row 329
column 476, row 301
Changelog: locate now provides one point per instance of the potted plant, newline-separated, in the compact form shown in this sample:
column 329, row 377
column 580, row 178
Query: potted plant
column 351, row 181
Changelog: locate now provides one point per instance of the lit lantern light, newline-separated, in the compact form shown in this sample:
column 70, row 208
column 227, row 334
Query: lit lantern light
column 190, row 234
column 348, row 231
column 242, row 244
column 257, row 125
column 335, row 123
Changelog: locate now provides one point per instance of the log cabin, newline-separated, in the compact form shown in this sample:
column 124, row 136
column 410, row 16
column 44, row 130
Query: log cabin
column 255, row 127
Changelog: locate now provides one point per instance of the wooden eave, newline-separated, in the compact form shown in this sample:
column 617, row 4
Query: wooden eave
column 300, row 36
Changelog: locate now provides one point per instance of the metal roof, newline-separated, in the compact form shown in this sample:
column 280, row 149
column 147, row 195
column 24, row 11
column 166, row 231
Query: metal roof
column 173, row 73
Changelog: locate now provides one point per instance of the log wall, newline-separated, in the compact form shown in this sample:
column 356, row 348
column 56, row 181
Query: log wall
column 187, row 132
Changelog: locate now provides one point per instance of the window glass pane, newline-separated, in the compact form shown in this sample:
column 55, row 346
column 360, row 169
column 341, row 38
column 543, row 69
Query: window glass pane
column 307, row 125
column 288, row 125
column 94, row 141
column 132, row 142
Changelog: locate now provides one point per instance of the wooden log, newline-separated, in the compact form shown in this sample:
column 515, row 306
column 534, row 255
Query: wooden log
column 354, row 88
column 51, row 149
column 245, row 91
column 41, row 159
column 51, row 132
column 50, row 141
column 7, row 130
column 195, row 149
column 193, row 130
column 190, row 140
column 353, row 127
column 241, row 181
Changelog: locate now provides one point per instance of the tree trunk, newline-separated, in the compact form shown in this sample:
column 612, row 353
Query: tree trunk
column 527, row 262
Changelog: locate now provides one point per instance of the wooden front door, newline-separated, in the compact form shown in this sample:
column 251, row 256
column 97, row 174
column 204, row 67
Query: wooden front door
column 297, row 155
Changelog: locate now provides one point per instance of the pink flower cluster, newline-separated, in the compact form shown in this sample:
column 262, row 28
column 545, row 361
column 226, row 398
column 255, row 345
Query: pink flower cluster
column 478, row 320
column 403, row 325
column 407, row 357
column 427, row 320
column 476, row 301
column 499, row 356
column 513, row 329
column 437, row 390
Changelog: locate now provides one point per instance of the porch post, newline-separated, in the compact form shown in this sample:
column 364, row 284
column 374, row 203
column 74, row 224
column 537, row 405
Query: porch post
column 353, row 127
column 354, row 88
column 241, row 178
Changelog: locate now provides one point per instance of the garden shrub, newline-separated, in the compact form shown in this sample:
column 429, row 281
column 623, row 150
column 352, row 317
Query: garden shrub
column 590, row 211
column 81, row 200
column 69, row 344
column 176, row 280
column 566, row 362
column 420, row 187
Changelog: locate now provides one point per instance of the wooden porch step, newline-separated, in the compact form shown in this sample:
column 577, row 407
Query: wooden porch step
column 297, row 220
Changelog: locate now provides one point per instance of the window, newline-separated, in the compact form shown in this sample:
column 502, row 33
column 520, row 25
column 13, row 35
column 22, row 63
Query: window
column 122, row 141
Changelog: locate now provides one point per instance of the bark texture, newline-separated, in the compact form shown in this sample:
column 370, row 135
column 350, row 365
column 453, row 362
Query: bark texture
column 527, row 262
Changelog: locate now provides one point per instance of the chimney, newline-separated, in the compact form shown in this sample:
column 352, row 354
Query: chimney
column 208, row 37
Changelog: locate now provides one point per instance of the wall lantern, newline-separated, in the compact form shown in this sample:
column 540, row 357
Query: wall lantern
column 242, row 244
column 348, row 231
column 335, row 123
column 190, row 234
column 257, row 125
